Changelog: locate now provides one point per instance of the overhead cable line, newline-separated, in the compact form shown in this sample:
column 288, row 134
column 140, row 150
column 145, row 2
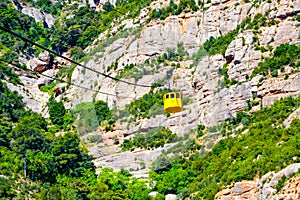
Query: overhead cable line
column 72, row 61
column 61, row 80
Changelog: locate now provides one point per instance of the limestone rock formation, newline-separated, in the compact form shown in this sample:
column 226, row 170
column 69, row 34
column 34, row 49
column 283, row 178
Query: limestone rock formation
column 170, row 197
column 265, row 188
column 38, row 65
column 193, row 30
column 207, row 99
column 39, row 16
column 137, row 161
column 290, row 190
column 32, row 96
column 294, row 115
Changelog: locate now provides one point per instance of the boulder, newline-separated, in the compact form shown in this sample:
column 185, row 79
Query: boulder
column 49, row 20
column 44, row 57
column 244, row 187
column 34, row 12
column 44, row 81
column 171, row 197
column 153, row 194
column 38, row 65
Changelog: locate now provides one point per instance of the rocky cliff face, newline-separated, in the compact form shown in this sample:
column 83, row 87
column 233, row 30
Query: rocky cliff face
column 138, row 41
column 211, row 102
column 268, row 187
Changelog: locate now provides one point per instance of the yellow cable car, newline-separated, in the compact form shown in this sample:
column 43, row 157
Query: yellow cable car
column 172, row 102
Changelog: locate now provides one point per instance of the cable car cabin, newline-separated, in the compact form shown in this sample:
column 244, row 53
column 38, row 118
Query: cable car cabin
column 172, row 102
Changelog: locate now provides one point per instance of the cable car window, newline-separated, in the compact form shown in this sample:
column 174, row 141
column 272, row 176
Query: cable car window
column 172, row 96
column 177, row 95
column 167, row 96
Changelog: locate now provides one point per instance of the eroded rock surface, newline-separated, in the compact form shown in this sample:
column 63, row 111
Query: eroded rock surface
column 265, row 188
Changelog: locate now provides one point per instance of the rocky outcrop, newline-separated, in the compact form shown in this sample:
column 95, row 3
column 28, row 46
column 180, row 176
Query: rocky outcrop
column 289, row 120
column 275, row 88
column 269, row 181
column 39, row 16
column 240, row 190
column 137, row 161
column 32, row 96
column 171, row 197
column 41, row 63
column 47, row 78
column 207, row 100
column 264, row 188
column 290, row 190
column 38, row 65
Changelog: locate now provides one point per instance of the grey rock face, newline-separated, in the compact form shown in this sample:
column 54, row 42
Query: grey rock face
column 266, row 189
column 34, row 12
column 289, row 120
column 49, row 19
column 32, row 97
column 39, row 16
column 214, row 103
column 137, row 162
column 44, row 56
column 262, row 188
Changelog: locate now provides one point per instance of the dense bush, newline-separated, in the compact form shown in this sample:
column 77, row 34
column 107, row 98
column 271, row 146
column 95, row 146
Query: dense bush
column 284, row 54
column 56, row 111
column 173, row 9
column 152, row 139
column 219, row 45
column 85, row 117
column 141, row 107
column 11, row 104
column 87, row 24
column 60, row 116
column 8, row 72
column 21, row 24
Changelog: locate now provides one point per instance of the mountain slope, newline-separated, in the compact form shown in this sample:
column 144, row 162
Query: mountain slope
column 230, row 59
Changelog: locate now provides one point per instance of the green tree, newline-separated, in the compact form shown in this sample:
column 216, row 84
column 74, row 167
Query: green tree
column 29, row 134
column 69, row 157
column 5, row 128
column 102, row 111
column 6, row 189
column 41, row 166
column 56, row 111
column 77, row 53
column 11, row 104
column 108, row 6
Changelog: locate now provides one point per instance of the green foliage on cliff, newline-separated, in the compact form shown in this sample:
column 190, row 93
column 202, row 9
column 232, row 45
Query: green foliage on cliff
column 86, row 24
column 219, row 45
column 284, row 54
column 23, row 25
column 8, row 73
column 155, row 138
column 57, row 167
column 102, row 111
column 173, row 9
column 45, row 156
column 141, row 107
column 11, row 105
column 238, row 158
